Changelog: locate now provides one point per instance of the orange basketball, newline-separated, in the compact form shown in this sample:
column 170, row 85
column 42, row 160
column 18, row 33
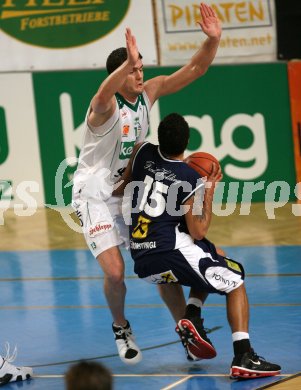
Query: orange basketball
column 202, row 162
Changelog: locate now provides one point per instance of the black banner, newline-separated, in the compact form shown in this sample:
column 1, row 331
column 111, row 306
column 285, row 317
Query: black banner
column 288, row 17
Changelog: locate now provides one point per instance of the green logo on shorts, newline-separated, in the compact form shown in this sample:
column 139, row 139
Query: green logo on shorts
column 233, row 265
column 61, row 23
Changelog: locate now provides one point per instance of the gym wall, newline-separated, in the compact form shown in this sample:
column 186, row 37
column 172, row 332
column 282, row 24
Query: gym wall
column 239, row 111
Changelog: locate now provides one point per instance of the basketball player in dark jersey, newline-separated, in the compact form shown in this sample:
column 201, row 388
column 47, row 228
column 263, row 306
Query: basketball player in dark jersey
column 171, row 213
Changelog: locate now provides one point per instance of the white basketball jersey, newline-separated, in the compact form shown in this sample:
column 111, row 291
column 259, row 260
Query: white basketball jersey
column 110, row 145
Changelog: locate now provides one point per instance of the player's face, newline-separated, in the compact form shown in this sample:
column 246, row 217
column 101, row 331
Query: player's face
column 134, row 82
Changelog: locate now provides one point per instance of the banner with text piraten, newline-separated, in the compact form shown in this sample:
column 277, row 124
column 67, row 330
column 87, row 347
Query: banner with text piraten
column 249, row 31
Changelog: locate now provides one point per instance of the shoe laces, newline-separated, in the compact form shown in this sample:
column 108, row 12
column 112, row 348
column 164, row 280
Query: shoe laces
column 9, row 357
column 199, row 323
column 124, row 332
column 206, row 330
column 255, row 356
column 127, row 334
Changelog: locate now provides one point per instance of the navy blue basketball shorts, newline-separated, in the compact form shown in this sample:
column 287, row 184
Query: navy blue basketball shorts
column 197, row 265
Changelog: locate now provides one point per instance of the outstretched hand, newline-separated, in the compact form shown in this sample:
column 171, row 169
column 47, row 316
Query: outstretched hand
column 131, row 47
column 210, row 23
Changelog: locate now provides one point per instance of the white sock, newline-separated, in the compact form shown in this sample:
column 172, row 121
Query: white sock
column 121, row 326
column 195, row 301
column 236, row 336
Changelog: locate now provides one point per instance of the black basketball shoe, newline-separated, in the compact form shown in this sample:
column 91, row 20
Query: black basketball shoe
column 250, row 365
column 194, row 339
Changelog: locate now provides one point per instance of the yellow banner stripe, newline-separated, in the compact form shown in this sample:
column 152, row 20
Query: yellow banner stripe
column 17, row 14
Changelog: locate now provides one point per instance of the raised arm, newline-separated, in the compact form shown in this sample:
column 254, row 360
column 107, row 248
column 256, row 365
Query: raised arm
column 198, row 217
column 197, row 66
column 103, row 102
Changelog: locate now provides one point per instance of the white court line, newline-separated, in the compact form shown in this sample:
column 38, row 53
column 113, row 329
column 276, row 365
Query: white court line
column 177, row 383
column 156, row 375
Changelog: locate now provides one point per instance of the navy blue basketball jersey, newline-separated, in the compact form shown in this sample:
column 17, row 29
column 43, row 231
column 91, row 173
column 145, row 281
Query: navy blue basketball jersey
column 160, row 187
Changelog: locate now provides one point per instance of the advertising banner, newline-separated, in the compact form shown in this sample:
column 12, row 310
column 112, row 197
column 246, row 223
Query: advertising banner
column 249, row 31
column 71, row 34
column 21, row 180
column 240, row 114
column 294, row 76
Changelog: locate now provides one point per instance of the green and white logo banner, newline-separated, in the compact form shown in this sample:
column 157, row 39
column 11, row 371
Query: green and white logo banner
column 71, row 34
column 240, row 114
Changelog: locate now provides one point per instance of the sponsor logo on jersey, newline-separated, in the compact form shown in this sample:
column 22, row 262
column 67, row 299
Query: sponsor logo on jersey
column 100, row 227
column 233, row 265
column 125, row 130
column 137, row 127
column 162, row 278
column 141, row 229
column 223, row 280
column 143, row 245
column 126, row 150
column 124, row 114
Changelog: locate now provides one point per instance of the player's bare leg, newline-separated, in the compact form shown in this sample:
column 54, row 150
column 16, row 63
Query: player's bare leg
column 238, row 310
column 246, row 363
column 173, row 296
column 112, row 265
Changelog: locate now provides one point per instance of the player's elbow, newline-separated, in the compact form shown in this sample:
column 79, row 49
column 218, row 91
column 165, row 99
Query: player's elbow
column 99, row 101
column 198, row 236
column 198, row 232
column 199, row 70
column 101, row 105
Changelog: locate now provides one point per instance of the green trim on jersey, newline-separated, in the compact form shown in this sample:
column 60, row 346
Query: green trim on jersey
column 114, row 153
column 122, row 101
column 109, row 131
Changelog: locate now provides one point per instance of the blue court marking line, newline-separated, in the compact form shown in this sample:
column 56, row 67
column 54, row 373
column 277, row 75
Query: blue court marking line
column 131, row 306
column 66, row 278
column 138, row 306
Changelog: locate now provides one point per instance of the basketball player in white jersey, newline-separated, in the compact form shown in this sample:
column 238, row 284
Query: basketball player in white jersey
column 118, row 118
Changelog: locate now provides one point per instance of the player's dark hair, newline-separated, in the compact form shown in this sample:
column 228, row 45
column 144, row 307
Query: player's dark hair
column 173, row 135
column 117, row 58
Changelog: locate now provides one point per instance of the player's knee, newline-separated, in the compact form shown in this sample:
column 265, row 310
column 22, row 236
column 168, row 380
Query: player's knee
column 115, row 277
column 238, row 289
